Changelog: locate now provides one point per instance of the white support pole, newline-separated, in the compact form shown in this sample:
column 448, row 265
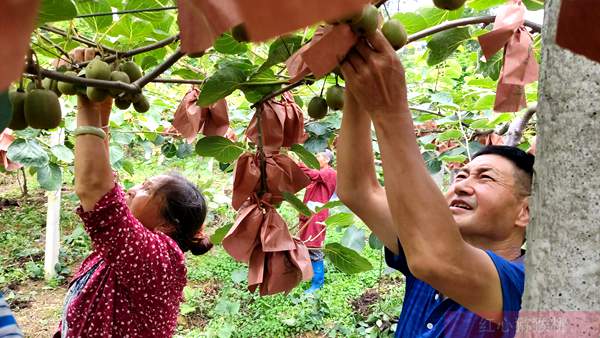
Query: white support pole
column 53, row 218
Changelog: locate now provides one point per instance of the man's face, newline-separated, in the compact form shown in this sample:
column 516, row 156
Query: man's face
column 144, row 204
column 483, row 198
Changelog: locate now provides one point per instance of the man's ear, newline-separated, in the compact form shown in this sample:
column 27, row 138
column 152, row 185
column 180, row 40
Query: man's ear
column 523, row 216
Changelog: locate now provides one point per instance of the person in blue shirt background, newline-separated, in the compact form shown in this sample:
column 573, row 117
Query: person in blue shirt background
column 8, row 324
column 460, row 252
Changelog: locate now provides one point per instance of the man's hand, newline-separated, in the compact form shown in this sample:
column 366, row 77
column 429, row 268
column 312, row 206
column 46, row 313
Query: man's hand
column 375, row 77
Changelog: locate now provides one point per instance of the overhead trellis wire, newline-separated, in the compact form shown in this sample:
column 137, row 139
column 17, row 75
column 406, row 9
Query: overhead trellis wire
column 127, row 11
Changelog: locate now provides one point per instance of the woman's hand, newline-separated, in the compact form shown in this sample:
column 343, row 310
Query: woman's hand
column 89, row 113
column 375, row 77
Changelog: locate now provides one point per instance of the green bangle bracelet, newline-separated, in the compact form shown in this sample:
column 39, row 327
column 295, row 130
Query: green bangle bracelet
column 90, row 130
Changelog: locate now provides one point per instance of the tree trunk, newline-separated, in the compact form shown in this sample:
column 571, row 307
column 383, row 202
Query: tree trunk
column 562, row 296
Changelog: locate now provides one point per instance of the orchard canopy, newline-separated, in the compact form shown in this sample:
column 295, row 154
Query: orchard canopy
column 219, row 64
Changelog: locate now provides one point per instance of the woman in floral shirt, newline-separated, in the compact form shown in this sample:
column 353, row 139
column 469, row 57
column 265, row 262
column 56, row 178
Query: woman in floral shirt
column 131, row 285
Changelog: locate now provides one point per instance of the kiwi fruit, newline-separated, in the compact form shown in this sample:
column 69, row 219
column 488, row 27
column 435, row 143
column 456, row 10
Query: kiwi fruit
column 51, row 84
column 239, row 33
column 122, row 103
column 449, row 4
column 131, row 69
column 17, row 101
column 335, row 97
column 118, row 76
column 42, row 109
column 317, row 108
column 367, row 22
column 395, row 33
column 97, row 69
column 140, row 103
column 68, row 88
column 96, row 94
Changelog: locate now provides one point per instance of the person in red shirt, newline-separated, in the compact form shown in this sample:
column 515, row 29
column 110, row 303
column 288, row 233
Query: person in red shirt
column 131, row 285
column 312, row 229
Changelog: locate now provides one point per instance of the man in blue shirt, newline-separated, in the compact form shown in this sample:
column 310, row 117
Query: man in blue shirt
column 461, row 253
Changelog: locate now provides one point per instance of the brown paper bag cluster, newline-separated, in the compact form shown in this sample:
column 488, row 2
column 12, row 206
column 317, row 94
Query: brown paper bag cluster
column 191, row 119
column 277, row 261
column 282, row 123
column 201, row 22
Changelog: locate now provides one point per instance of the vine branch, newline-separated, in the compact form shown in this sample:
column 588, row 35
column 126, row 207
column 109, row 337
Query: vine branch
column 465, row 22
column 127, row 11
column 136, row 51
column 515, row 131
column 76, row 37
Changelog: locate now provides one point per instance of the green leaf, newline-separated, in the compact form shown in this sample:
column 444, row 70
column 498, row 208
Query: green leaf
column 452, row 134
column 143, row 4
column 95, row 23
column 330, row 205
column 27, row 152
column 534, row 5
column 222, row 83
column 218, row 147
column 345, row 259
column 354, row 238
column 484, row 103
column 481, row 5
column 239, row 275
column 443, row 44
column 49, row 177
column 316, row 144
column 226, row 44
column 128, row 166
column 296, row 203
column 306, row 156
column 220, row 233
column 455, row 158
column 186, row 309
column 342, row 219
column 169, row 150
column 116, row 154
column 253, row 91
column 412, row 22
column 281, row 49
column 490, row 68
column 5, row 111
column 434, row 165
column 62, row 153
column 56, row 10
column 374, row 242
column 184, row 150
column 479, row 124
column 227, row 307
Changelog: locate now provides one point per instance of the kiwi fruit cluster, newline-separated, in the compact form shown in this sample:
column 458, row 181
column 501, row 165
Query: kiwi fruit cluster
column 38, row 106
column 364, row 23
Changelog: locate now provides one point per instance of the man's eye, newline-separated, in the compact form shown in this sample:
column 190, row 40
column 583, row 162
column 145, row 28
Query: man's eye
column 460, row 177
column 486, row 177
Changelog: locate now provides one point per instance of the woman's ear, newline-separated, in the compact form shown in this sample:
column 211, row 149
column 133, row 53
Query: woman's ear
column 523, row 216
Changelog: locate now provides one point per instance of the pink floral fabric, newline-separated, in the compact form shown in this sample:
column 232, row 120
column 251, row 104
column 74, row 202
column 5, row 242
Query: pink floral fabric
column 137, row 285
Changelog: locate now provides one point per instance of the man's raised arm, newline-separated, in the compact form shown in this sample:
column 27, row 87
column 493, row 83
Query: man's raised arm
column 434, row 248
column 357, row 184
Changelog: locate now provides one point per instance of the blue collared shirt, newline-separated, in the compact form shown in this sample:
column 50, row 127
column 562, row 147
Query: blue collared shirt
column 425, row 312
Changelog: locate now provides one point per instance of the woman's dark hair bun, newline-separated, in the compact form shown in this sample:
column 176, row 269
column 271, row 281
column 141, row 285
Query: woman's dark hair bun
column 185, row 208
column 199, row 246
